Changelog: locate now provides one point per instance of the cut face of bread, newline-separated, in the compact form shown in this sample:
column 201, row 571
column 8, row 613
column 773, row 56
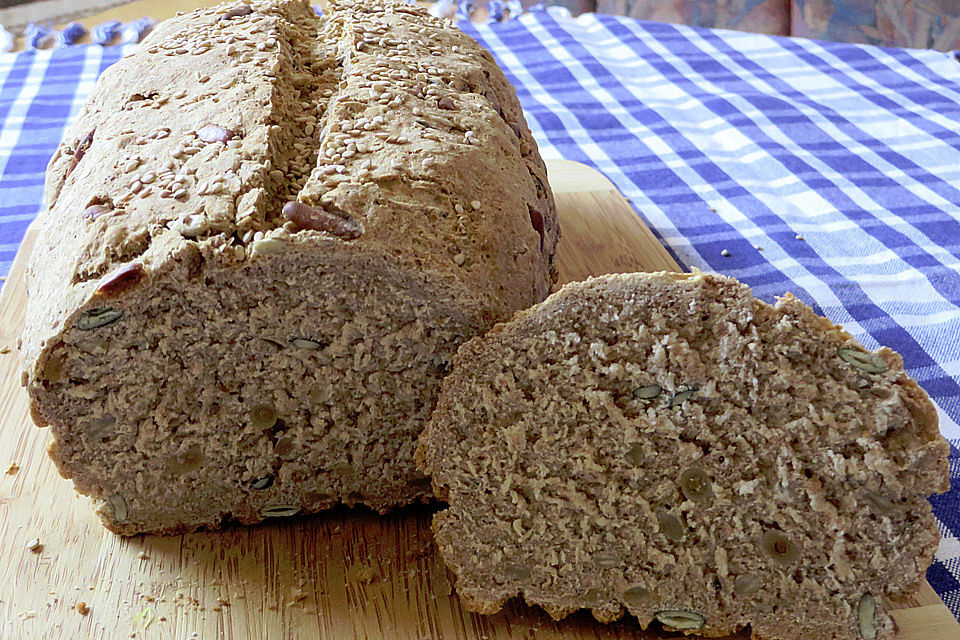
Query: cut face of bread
column 221, row 400
column 669, row 446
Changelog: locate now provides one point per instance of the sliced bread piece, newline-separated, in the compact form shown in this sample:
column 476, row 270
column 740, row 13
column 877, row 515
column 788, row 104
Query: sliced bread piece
column 668, row 445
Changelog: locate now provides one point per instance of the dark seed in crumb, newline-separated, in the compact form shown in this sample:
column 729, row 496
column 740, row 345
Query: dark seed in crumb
column 96, row 318
column 305, row 343
column 118, row 505
column 695, row 485
column 680, row 619
column 746, row 584
column 636, row 596
column 670, row 526
column 680, row 397
column 263, row 416
column 779, row 547
column 262, row 483
column 863, row 360
column 635, row 455
column 607, row 559
column 647, row 392
column 516, row 572
column 877, row 502
column 280, row 511
column 867, row 617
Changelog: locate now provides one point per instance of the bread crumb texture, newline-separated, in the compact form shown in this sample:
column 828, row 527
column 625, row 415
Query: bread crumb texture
column 668, row 446
column 267, row 234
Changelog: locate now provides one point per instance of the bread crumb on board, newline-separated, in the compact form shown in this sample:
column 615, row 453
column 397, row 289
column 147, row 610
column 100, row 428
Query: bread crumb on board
column 83, row 608
column 13, row 468
column 35, row 545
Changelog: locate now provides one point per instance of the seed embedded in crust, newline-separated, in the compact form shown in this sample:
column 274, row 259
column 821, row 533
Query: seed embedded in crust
column 269, row 246
column 94, row 211
column 280, row 511
column 262, row 483
column 446, row 102
column 647, row 392
column 680, row 619
column 866, row 362
column 695, row 485
column 79, row 151
column 83, row 146
column 670, row 526
column 536, row 221
column 779, row 547
column 263, row 416
column 215, row 133
column 118, row 505
column 635, row 455
column 121, row 279
column 516, row 572
column 243, row 10
column 746, row 584
column 867, row 617
column 310, row 218
column 99, row 317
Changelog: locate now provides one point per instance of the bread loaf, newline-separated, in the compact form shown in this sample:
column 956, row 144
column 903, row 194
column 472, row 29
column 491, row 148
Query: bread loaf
column 669, row 446
column 267, row 234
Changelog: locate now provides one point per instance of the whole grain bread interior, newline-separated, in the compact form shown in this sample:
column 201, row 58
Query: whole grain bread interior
column 668, row 446
column 267, row 234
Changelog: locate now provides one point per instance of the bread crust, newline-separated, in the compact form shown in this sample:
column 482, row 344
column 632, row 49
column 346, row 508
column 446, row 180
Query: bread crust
column 348, row 197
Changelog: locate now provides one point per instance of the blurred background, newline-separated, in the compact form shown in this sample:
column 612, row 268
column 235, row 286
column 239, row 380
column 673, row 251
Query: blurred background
column 922, row 24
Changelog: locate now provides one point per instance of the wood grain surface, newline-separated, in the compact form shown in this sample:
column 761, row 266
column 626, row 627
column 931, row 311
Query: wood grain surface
column 335, row 576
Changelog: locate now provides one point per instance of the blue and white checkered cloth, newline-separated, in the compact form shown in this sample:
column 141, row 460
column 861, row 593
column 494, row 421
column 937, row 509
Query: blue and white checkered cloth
column 828, row 170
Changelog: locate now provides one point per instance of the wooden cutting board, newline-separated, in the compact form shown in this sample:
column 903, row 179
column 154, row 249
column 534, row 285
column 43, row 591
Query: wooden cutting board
column 339, row 575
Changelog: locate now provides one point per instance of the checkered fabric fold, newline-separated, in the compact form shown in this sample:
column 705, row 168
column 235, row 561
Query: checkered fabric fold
column 828, row 170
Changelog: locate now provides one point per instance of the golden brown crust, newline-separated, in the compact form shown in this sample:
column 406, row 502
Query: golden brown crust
column 250, row 280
